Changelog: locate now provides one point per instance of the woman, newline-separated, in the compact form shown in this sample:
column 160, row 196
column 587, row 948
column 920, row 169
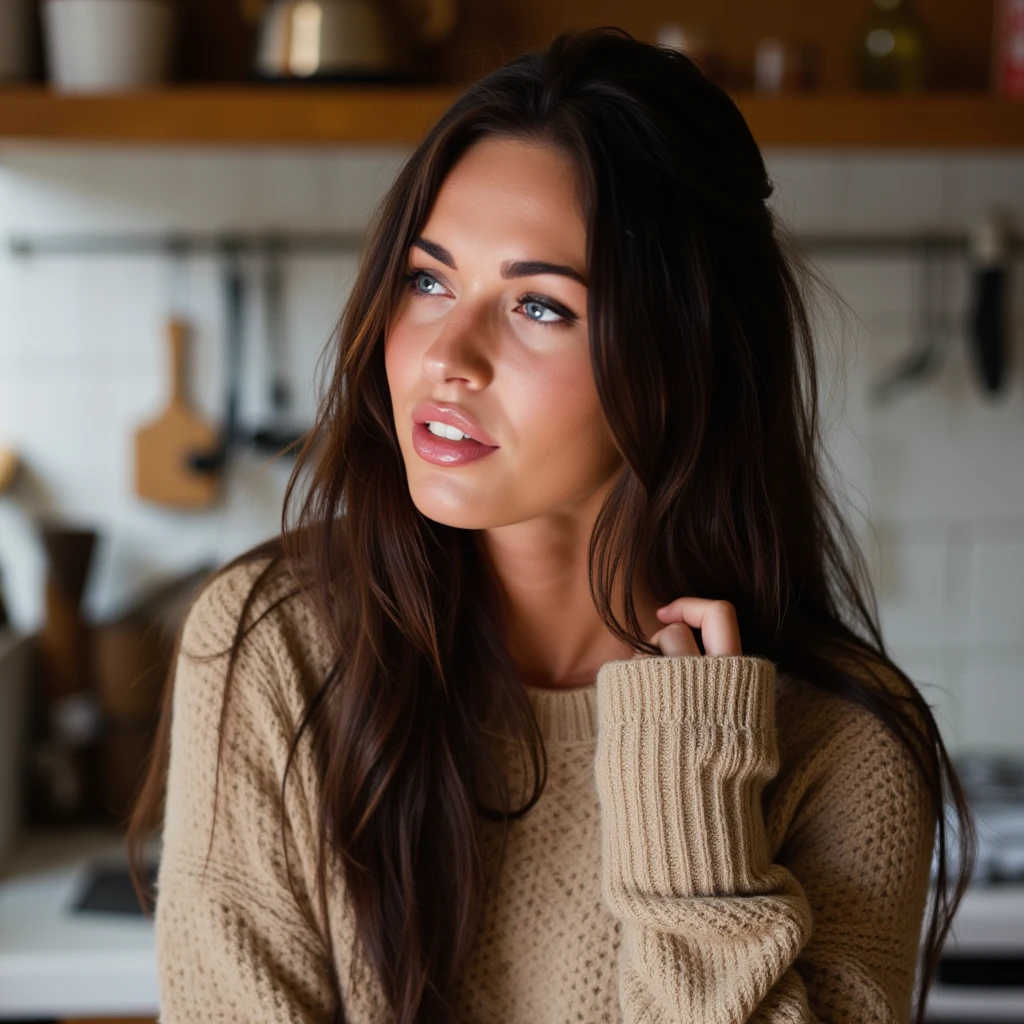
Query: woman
column 564, row 698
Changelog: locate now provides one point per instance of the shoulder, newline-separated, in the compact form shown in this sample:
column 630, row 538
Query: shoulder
column 836, row 755
column 257, row 605
column 215, row 613
column 812, row 716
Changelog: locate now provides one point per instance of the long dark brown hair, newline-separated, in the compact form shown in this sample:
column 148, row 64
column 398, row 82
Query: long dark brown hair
column 703, row 357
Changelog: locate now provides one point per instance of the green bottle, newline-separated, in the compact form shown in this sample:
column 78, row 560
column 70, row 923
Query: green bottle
column 892, row 49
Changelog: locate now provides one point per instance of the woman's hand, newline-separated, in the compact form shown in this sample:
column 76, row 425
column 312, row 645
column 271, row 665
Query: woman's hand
column 716, row 620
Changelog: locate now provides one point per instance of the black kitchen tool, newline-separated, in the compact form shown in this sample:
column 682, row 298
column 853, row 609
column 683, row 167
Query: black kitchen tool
column 274, row 435
column 990, row 303
column 234, row 305
column 273, row 297
column 928, row 350
column 3, row 608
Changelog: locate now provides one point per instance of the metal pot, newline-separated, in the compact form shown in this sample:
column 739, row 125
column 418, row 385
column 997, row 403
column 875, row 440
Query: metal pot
column 347, row 38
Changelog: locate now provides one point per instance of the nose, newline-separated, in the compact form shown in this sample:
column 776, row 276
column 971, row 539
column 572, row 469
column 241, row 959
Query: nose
column 460, row 352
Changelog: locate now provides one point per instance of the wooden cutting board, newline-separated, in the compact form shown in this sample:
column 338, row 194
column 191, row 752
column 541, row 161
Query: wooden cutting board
column 8, row 468
column 164, row 446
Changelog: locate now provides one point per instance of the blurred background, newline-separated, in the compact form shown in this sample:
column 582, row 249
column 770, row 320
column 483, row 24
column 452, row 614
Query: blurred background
column 184, row 186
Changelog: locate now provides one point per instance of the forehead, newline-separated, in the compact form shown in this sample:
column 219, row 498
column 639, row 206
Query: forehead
column 518, row 194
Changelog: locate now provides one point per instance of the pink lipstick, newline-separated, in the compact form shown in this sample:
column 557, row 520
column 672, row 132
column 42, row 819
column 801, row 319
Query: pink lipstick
column 443, row 452
column 448, row 418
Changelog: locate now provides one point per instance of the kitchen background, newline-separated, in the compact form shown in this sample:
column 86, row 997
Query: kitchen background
column 936, row 475
column 933, row 474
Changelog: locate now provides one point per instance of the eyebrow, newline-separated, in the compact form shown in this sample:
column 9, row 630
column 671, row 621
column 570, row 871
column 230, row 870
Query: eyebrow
column 509, row 269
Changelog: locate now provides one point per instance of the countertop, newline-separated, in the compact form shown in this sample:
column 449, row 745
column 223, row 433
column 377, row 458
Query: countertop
column 58, row 962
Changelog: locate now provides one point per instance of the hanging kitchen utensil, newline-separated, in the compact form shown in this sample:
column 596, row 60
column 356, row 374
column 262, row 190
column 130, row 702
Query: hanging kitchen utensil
column 930, row 343
column 4, row 619
column 9, row 464
column 165, row 449
column 275, row 435
column 273, row 296
column 989, row 301
column 67, row 718
column 215, row 458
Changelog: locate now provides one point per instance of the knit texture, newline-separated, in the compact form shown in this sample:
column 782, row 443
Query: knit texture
column 716, row 842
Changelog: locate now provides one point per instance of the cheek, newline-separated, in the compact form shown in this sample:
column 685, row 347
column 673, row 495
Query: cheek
column 560, row 416
column 399, row 359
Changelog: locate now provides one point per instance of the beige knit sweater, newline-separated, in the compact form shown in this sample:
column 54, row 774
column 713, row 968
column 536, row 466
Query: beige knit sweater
column 716, row 842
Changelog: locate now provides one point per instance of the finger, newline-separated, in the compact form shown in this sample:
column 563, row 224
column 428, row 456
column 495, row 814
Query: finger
column 675, row 640
column 716, row 620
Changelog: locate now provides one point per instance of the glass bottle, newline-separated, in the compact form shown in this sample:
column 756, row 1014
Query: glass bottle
column 892, row 51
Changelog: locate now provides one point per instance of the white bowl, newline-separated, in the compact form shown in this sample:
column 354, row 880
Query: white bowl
column 107, row 45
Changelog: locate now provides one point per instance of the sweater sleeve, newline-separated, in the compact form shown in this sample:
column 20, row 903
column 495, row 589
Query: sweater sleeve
column 233, row 942
column 714, row 929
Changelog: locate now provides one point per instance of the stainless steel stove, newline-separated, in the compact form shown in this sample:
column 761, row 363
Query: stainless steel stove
column 981, row 974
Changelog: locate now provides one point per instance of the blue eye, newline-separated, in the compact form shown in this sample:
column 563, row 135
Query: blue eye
column 414, row 277
column 536, row 310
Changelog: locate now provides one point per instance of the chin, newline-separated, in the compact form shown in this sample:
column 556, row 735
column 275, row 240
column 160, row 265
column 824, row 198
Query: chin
column 461, row 512
column 459, row 518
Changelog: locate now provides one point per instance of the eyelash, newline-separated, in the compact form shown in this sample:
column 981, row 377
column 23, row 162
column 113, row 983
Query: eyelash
column 567, row 318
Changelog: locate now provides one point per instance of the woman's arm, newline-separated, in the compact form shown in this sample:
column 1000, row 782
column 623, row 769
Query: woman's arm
column 713, row 929
column 232, row 942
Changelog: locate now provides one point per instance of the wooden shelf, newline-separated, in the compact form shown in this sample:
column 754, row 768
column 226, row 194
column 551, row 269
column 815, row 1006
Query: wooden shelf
column 316, row 116
column 254, row 115
column 857, row 120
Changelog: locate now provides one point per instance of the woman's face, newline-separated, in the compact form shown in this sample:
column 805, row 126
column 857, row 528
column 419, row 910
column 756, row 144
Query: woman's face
column 492, row 325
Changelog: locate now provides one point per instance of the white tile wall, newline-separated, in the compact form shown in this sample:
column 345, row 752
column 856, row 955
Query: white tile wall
column 939, row 472
column 934, row 480
column 994, row 584
column 990, row 684
column 913, row 583
column 902, row 193
column 82, row 344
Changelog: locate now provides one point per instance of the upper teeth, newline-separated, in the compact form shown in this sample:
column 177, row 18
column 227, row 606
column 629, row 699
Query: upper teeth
column 451, row 433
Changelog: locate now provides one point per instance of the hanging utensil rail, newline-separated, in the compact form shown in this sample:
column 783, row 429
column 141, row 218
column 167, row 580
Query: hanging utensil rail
column 350, row 242
column 185, row 243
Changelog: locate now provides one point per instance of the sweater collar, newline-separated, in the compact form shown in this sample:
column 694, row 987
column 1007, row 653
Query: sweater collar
column 567, row 715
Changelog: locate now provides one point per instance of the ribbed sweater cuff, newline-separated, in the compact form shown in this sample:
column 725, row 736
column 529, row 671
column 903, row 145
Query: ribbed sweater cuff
column 685, row 747
column 727, row 689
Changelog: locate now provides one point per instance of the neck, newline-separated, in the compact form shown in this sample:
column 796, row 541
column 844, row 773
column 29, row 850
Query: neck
column 553, row 632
